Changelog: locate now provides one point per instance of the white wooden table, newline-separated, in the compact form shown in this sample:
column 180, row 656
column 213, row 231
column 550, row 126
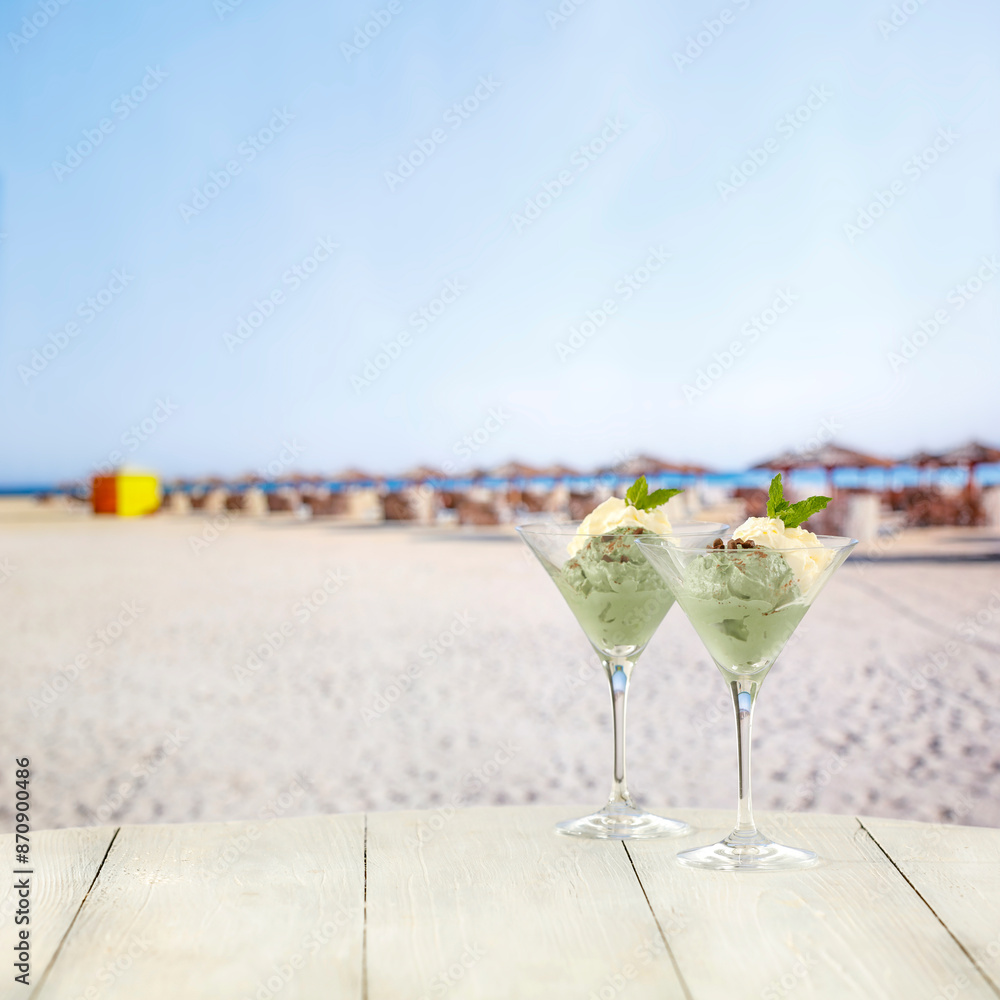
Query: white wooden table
column 492, row 903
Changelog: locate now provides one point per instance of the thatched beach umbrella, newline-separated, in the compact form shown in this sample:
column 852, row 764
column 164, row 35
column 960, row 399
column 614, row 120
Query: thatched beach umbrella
column 922, row 461
column 648, row 465
column 558, row 472
column 829, row 457
column 421, row 473
column 354, row 476
column 783, row 463
column 515, row 474
column 970, row 455
column 515, row 470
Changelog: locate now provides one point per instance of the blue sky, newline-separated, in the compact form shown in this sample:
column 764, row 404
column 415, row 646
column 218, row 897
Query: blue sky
column 751, row 214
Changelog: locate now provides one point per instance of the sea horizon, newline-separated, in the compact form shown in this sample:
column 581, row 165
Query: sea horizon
column 873, row 479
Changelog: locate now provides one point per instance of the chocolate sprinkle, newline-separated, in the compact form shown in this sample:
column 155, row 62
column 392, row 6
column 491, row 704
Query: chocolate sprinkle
column 734, row 543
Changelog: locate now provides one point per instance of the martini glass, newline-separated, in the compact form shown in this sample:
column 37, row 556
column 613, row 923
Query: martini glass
column 745, row 603
column 619, row 601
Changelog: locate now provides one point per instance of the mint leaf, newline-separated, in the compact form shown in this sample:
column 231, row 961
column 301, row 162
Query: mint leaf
column 793, row 514
column 638, row 495
column 803, row 510
column 776, row 501
column 658, row 498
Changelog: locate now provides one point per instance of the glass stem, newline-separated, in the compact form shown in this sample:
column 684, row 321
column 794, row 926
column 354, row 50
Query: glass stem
column 744, row 692
column 619, row 672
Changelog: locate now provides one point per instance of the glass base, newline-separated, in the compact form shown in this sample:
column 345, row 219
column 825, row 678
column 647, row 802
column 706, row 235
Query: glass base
column 618, row 821
column 753, row 853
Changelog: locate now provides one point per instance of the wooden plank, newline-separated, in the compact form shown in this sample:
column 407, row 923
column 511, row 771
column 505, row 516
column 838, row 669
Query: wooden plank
column 850, row 927
column 956, row 869
column 63, row 864
column 217, row 910
column 490, row 903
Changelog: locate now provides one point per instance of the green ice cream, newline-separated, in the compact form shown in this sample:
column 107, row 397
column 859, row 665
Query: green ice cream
column 617, row 597
column 744, row 605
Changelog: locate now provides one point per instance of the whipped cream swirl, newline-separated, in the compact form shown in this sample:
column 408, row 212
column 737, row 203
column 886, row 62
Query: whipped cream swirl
column 803, row 551
column 618, row 513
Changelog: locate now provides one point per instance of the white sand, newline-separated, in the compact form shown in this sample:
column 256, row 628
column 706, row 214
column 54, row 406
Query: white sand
column 847, row 721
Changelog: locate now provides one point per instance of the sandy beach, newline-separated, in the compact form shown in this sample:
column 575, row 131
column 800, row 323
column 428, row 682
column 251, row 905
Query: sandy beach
column 167, row 670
